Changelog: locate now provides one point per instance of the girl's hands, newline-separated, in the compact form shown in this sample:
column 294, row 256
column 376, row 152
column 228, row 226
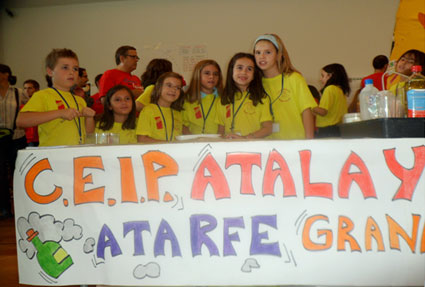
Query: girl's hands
column 70, row 114
column 234, row 136
column 88, row 112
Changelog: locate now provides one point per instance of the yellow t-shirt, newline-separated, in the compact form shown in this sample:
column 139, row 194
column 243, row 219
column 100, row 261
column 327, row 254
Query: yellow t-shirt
column 247, row 117
column 145, row 97
column 289, row 105
column 194, row 114
column 398, row 88
column 392, row 82
column 57, row 131
column 159, row 126
column 126, row 136
column 335, row 102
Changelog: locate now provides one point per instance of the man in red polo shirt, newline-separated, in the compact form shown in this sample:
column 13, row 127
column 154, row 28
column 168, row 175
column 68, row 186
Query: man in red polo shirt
column 380, row 64
column 126, row 59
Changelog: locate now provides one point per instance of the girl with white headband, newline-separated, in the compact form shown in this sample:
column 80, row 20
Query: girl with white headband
column 290, row 99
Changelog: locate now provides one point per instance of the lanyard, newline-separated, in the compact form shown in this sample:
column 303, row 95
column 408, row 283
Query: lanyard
column 165, row 123
column 205, row 117
column 237, row 111
column 78, row 108
column 272, row 102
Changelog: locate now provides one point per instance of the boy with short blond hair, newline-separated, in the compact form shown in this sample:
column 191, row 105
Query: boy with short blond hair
column 59, row 114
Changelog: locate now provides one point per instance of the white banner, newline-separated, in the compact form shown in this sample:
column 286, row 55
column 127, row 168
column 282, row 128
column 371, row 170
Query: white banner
column 318, row 212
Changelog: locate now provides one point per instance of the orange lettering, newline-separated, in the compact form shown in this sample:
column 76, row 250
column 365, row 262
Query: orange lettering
column 310, row 245
column 80, row 195
column 128, row 187
column 345, row 225
column 30, row 177
column 394, row 230
column 423, row 241
column 372, row 230
column 168, row 167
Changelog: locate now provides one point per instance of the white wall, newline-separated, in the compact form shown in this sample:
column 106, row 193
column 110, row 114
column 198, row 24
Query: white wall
column 315, row 32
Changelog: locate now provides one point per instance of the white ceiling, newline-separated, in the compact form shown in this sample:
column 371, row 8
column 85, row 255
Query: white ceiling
column 40, row 3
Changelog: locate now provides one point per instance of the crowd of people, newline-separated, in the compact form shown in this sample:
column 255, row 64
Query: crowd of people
column 262, row 96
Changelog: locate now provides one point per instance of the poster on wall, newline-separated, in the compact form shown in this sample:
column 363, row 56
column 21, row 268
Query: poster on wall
column 409, row 31
column 183, row 56
column 318, row 212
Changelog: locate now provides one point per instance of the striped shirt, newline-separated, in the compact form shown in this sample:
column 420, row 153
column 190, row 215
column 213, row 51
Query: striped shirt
column 8, row 110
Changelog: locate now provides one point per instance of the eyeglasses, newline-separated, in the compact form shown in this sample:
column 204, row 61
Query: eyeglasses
column 170, row 86
column 408, row 60
column 133, row 56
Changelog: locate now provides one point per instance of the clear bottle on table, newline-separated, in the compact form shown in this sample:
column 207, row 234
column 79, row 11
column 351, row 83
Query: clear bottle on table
column 368, row 99
column 415, row 94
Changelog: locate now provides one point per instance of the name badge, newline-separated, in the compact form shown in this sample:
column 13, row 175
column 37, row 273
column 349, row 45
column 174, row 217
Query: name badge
column 275, row 128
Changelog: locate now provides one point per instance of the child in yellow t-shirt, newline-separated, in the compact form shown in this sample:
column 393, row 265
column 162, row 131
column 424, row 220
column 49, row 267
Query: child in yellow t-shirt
column 244, row 111
column 201, row 99
column 287, row 90
column 59, row 115
column 404, row 66
column 333, row 103
column 119, row 115
column 161, row 120
column 154, row 70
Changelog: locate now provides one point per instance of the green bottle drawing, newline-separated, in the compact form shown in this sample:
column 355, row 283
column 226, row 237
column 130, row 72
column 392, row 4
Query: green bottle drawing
column 53, row 259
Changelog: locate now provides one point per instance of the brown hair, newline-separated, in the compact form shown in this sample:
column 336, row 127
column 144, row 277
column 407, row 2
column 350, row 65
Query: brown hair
column 419, row 58
column 154, row 69
column 284, row 64
column 53, row 57
column 34, row 83
column 255, row 88
column 156, row 93
column 122, row 51
column 194, row 91
column 107, row 120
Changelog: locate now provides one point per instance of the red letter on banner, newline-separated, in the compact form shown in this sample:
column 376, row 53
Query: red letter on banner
column 312, row 189
column 409, row 177
column 270, row 175
column 246, row 161
column 209, row 172
column 362, row 178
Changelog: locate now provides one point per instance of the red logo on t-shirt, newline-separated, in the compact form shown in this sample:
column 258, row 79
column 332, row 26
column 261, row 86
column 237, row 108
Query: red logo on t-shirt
column 60, row 105
column 228, row 111
column 198, row 113
column 158, row 123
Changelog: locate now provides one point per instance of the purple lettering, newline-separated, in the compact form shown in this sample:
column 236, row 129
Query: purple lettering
column 107, row 239
column 198, row 234
column 165, row 232
column 257, row 247
column 229, row 237
column 137, row 227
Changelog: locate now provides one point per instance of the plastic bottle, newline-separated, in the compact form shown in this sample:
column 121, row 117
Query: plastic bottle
column 368, row 101
column 415, row 94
